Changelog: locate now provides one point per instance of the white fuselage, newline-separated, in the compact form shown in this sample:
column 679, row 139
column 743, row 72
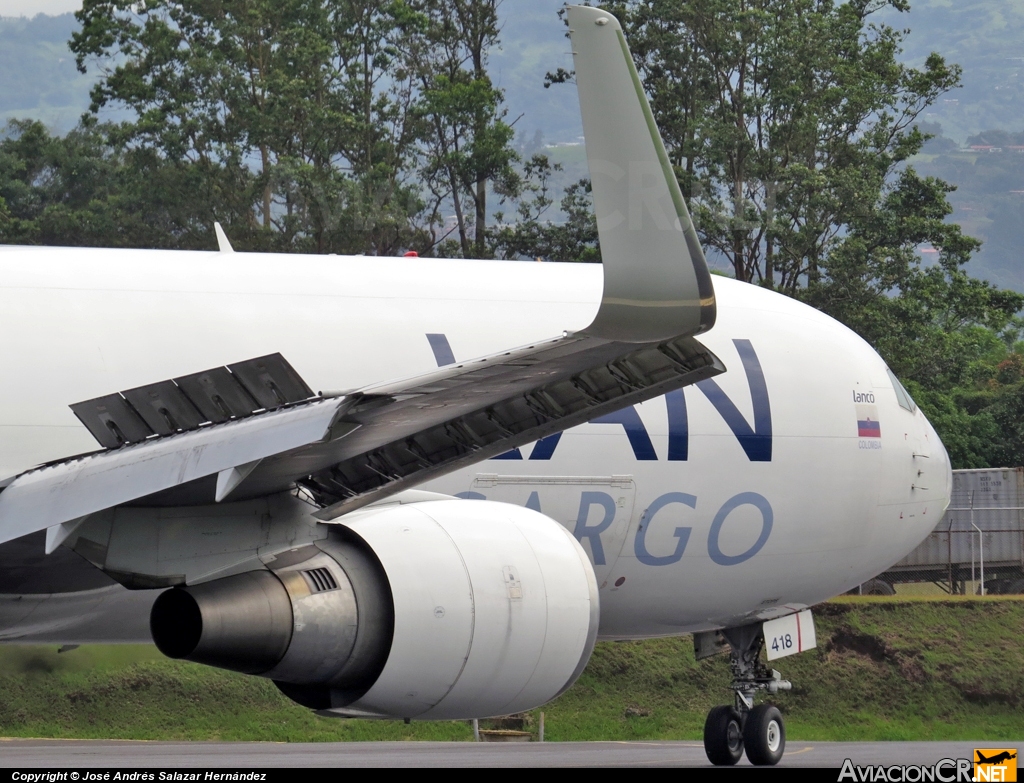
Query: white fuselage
column 766, row 496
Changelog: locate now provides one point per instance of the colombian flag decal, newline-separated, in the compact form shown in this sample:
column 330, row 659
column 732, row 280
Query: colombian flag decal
column 868, row 425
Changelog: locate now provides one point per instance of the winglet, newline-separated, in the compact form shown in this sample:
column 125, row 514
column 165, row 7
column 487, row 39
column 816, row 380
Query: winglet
column 656, row 281
column 222, row 239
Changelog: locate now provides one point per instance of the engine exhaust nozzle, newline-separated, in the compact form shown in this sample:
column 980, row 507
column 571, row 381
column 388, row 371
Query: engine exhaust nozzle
column 242, row 622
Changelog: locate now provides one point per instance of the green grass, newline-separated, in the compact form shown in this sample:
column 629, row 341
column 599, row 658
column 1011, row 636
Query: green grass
column 909, row 668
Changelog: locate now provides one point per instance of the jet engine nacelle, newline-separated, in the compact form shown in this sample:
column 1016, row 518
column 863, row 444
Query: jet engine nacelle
column 432, row 610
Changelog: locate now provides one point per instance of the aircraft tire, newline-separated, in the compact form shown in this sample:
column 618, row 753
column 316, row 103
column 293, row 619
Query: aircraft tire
column 877, row 587
column 764, row 735
column 723, row 736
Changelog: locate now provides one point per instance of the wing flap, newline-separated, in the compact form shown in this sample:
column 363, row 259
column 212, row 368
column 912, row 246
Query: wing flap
column 69, row 490
column 409, row 433
column 393, row 450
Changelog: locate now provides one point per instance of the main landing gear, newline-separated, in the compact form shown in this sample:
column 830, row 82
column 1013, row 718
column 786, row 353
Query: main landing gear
column 732, row 729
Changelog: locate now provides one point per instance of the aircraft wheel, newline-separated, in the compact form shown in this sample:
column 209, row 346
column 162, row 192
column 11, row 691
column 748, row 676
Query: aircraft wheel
column 877, row 587
column 723, row 736
column 764, row 735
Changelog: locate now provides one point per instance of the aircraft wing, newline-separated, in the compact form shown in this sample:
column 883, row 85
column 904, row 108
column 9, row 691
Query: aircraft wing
column 255, row 429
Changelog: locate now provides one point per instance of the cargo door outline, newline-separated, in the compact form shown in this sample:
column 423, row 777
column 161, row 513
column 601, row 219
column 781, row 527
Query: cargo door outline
column 578, row 503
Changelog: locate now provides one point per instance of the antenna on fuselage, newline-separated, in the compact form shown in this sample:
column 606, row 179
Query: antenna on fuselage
column 223, row 244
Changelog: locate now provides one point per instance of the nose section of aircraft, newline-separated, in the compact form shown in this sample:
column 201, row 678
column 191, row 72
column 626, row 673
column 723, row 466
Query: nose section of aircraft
column 932, row 481
column 917, row 477
column 943, row 466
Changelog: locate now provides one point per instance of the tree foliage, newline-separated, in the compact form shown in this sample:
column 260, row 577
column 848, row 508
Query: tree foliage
column 787, row 121
column 328, row 126
column 347, row 126
column 532, row 235
column 78, row 190
column 467, row 141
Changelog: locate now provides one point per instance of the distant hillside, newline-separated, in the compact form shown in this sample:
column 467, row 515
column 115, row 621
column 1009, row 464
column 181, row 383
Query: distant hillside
column 986, row 39
column 38, row 77
column 533, row 43
column 989, row 201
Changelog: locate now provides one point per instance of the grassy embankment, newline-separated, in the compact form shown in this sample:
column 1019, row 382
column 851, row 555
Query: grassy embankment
column 896, row 669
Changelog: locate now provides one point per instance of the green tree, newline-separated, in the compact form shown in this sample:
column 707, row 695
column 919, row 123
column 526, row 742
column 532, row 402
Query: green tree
column 468, row 146
column 786, row 120
column 80, row 190
column 533, row 234
column 312, row 98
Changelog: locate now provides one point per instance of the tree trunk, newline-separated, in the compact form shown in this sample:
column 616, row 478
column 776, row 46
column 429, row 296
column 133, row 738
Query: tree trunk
column 265, row 156
column 463, row 236
column 481, row 218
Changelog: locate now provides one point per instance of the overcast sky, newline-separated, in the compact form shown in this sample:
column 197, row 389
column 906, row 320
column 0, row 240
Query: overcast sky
column 33, row 7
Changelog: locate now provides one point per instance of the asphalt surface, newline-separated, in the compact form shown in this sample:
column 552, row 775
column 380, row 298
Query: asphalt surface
column 69, row 754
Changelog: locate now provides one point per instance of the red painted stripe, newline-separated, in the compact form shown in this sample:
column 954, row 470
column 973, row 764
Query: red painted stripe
column 799, row 637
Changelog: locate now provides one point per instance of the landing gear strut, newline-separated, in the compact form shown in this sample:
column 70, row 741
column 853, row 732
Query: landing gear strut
column 760, row 731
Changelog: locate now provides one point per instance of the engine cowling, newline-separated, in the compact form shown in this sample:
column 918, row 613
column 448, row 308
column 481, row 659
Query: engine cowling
column 437, row 610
